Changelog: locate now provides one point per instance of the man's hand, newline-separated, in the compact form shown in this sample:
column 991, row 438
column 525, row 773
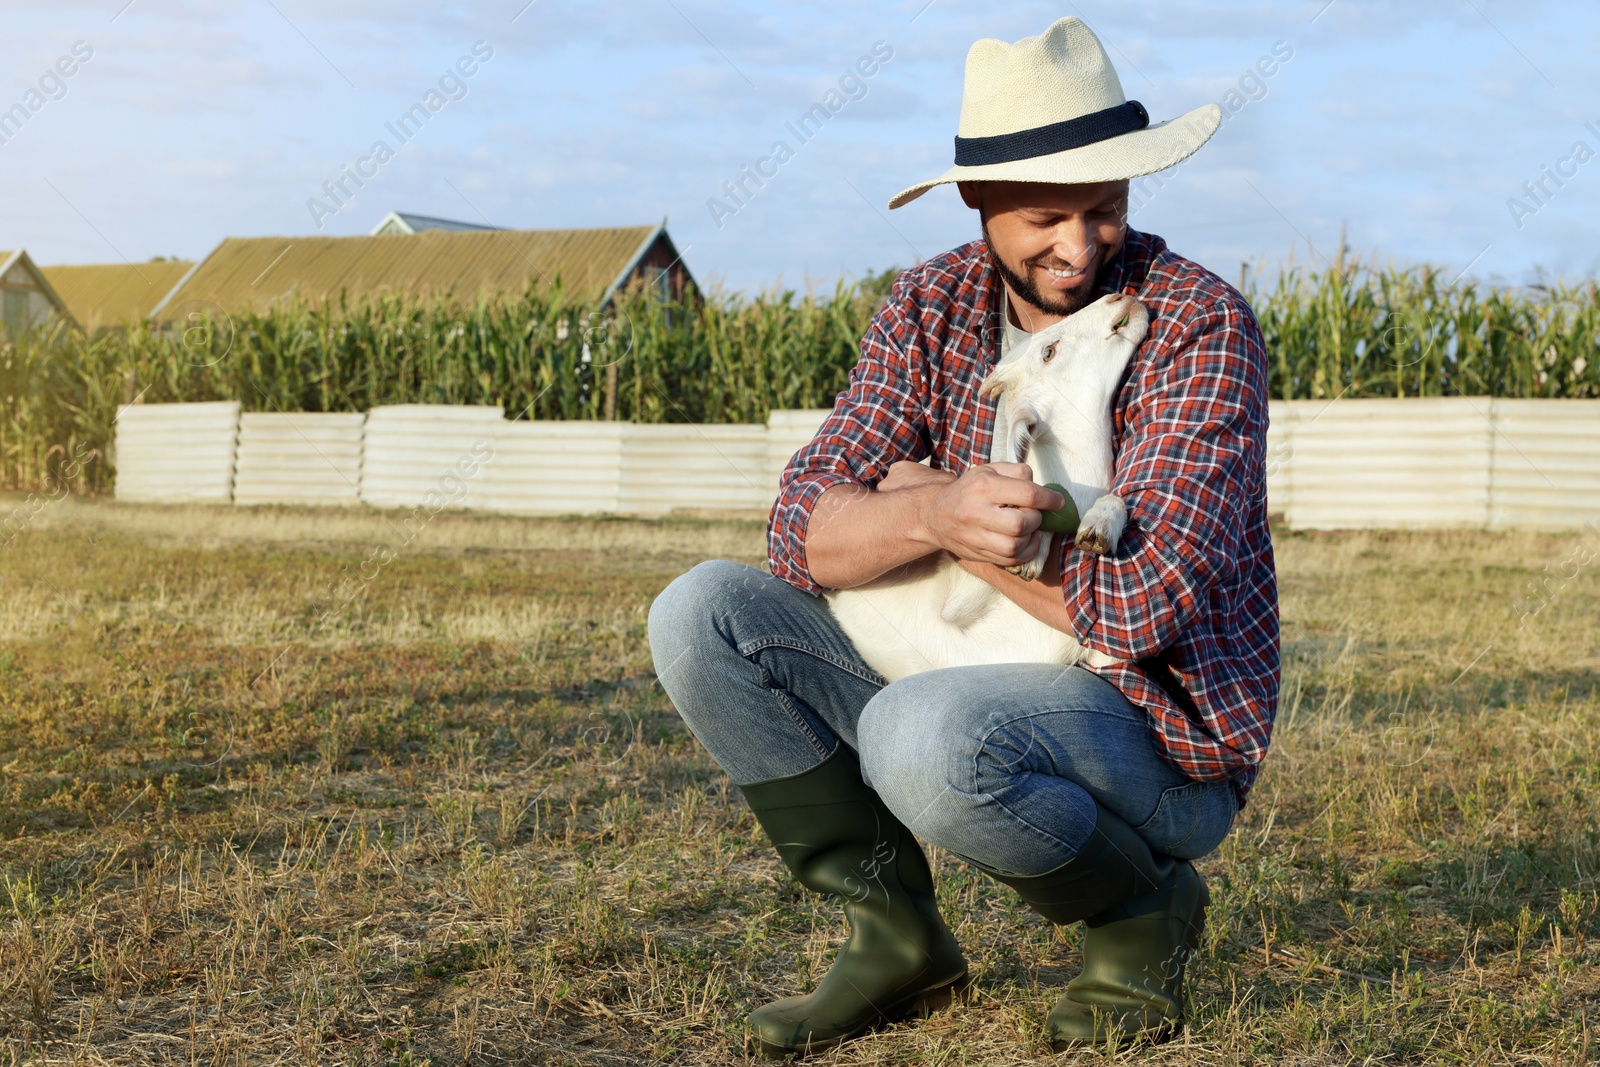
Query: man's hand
column 906, row 474
column 988, row 515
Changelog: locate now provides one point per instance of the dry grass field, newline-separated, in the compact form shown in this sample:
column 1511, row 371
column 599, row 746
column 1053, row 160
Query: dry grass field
column 266, row 798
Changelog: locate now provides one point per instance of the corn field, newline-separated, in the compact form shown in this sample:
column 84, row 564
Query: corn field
column 1354, row 332
column 1372, row 333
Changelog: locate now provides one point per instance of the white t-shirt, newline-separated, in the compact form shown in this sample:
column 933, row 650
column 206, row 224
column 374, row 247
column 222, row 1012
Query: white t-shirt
column 1013, row 339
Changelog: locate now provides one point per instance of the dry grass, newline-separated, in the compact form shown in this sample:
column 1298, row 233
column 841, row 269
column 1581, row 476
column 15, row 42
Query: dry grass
column 457, row 822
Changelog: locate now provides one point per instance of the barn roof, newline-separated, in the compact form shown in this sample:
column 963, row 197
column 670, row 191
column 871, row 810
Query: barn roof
column 254, row 273
column 405, row 222
column 109, row 294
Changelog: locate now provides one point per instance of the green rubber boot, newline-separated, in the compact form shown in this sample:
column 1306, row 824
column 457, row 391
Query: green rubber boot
column 1143, row 913
column 837, row 837
column 1134, row 956
column 1114, row 866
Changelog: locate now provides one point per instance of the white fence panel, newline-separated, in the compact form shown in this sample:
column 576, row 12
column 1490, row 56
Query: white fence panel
column 1546, row 464
column 1459, row 462
column 787, row 433
column 1382, row 464
column 299, row 457
column 697, row 467
column 436, row 455
column 174, row 453
column 556, row 468
column 1280, row 449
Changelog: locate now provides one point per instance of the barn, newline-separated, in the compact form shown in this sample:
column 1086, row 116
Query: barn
column 106, row 295
column 29, row 299
column 256, row 273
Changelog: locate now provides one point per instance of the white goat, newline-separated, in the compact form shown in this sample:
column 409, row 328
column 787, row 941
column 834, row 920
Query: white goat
column 1055, row 414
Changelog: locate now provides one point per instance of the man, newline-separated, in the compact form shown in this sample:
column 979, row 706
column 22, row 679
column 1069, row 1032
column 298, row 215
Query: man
column 1087, row 792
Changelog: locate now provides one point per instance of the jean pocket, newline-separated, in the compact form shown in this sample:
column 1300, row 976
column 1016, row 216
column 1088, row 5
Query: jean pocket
column 1191, row 819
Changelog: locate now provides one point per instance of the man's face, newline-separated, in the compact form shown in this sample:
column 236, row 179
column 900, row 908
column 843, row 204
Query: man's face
column 1050, row 242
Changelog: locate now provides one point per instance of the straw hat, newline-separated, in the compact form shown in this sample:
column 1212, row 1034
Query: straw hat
column 1051, row 109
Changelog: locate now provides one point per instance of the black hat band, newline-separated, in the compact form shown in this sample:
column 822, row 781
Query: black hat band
column 1056, row 137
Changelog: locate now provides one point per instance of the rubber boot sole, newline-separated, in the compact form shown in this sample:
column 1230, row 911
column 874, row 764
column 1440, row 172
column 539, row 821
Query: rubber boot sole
column 920, row 1005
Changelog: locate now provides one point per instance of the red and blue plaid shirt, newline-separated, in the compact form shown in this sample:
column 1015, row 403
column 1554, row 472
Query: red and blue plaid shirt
column 1189, row 598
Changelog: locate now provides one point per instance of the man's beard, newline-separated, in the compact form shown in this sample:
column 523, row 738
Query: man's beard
column 1063, row 303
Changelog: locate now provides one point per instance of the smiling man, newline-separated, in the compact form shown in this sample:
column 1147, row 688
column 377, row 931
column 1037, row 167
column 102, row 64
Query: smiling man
column 1057, row 271
column 1086, row 791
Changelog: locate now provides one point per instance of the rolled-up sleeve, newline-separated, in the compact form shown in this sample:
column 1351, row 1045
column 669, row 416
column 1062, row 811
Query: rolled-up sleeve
column 879, row 419
column 1189, row 463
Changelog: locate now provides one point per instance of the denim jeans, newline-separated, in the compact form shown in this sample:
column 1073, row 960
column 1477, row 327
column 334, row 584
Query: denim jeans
column 1003, row 765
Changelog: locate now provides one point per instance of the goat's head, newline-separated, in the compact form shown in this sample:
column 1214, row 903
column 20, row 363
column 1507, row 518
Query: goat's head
column 1068, row 367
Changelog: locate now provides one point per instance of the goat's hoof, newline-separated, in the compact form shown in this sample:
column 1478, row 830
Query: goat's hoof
column 1102, row 526
column 1027, row 571
column 1093, row 541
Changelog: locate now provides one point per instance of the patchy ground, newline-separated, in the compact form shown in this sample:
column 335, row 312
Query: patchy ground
column 265, row 799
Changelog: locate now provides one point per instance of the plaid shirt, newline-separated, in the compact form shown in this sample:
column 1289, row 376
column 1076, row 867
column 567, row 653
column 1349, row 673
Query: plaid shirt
column 1189, row 598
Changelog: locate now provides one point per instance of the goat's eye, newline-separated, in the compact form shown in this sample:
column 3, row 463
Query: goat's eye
column 1050, row 351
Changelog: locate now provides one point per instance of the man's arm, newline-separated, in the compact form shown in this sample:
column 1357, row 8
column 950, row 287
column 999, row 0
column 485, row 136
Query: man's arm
column 1183, row 467
column 990, row 514
column 849, row 508
column 1190, row 468
column 1040, row 598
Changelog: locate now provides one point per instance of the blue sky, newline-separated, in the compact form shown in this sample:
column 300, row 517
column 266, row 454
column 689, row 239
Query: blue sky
column 1411, row 123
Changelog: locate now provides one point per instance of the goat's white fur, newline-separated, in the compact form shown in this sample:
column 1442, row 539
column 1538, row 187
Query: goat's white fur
column 1055, row 414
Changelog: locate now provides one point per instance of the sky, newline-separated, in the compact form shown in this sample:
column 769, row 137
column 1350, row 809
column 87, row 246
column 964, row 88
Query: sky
column 1416, row 127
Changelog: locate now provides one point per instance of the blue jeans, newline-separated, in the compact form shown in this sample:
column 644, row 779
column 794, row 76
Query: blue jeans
column 1004, row 766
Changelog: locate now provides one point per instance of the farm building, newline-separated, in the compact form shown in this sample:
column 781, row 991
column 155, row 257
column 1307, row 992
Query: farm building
column 401, row 222
column 110, row 294
column 256, row 273
column 29, row 298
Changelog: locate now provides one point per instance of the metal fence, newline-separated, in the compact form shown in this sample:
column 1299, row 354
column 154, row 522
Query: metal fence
column 177, row 452
column 295, row 457
column 1435, row 463
column 1430, row 463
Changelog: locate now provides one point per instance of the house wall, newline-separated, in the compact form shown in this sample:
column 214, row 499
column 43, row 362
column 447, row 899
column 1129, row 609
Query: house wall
column 662, row 256
column 24, row 303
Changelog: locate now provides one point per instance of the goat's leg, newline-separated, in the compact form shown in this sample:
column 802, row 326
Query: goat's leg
column 1102, row 525
column 1034, row 567
column 968, row 601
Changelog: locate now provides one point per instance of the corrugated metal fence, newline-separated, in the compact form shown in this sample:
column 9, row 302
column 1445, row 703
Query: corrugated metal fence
column 1434, row 463
column 293, row 458
column 1458, row 462
column 177, row 452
